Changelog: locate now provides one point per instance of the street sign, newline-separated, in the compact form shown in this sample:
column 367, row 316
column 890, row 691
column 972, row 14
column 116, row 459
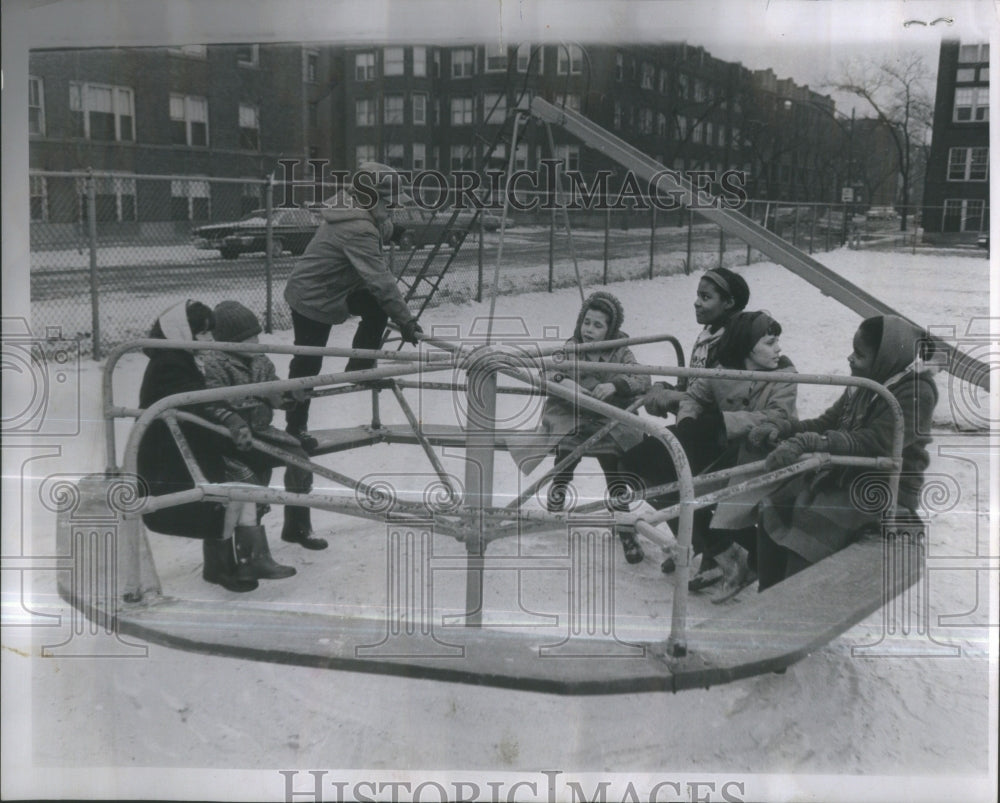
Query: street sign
column 847, row 195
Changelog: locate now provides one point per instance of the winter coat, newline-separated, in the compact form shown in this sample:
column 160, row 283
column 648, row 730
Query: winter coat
column 343, row 256
column 160, row 464
column 815, row 514
column 225, row 370
column 743, row 404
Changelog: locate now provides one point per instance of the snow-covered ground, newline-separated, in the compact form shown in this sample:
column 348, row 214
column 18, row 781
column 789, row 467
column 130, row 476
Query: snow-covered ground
column 835, row 726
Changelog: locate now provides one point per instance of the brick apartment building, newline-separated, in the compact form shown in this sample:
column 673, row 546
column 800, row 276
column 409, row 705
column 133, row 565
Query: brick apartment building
column 232, row 112
column 957, row 187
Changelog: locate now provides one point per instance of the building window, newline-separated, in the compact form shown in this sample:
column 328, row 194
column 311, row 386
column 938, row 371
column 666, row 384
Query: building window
column 114, row 198
column 314, row 115
column 364, row 111
column 393, row 109
column 619, row 66
column 664, row 82
column 188, row 120
column 962, row 215
column 364, row 66
column 709, row 132
column 419, row 108
column 496, row 58
column 699, row 91
column 461, row 157
column 394, row 155
column 570, row 101
column 189, row 200
column 737, row 142
column 194, row 51
column 696, row 132
column 461, row 111
column 310, row 66
column 249, row 128
column 524, row 55
column 36, row 106
column 463, row 62
column 495, row 107
column 645, row 121
column 648, row 75
column 661, row 124
column 722, row 135
column 682, row 128
column 419, row 156
column 569, row 155
column 682, row 86
column 570, row 60
column 251, row 197
column 420, row 62
column 39, row 198
column 972, row 105
column 968, row 164
column 364, row 153
column 973, row 54
column 436, row 64
column 248, row 55
column 617, row 115
column 101, row 112
column 392, row 61
column 966, row 75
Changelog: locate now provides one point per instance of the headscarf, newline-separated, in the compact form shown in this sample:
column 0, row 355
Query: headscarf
column 174, row 322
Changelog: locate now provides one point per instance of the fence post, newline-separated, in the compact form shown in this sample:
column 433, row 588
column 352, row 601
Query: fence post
column 95, row 318
column 552, row 246
column 607, row 235
column 829, row 220
column 722, row 247
column 652, row 237
column 754, row 219
column 812, row 226
column 268, row 250
column 688, row 265
column 795, row 227
column 844, row 237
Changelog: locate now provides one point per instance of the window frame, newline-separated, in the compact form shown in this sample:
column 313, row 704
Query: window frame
column 525, row 58
column 394, row 97
column 120, row 183
column 566, row 64
column 83, row 92
column 421, row 148
column 255, row 128
column 364, row 72
column 188, row 120
column 372, row 112
column 463, row 63
column 310, row 66
column 979, row 101
column 40, row 105
column 386, row 61
column 189, row 186
column 254, row 60
column 469, row 112
column 494, row 52
column 966, row 163
column 498, row 115
column 420, row 58
column 42, row 182
column 419, row 102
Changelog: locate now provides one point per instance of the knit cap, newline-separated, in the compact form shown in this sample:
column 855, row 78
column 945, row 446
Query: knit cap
column 234, row 323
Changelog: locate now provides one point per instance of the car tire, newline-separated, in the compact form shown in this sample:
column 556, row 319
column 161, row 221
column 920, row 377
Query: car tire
column 229, row 253
column 454, row 238
column 406, row 241
column 277, row 248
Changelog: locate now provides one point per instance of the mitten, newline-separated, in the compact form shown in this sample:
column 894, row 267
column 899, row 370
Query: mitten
column 767, row 435
column 239, row 431
column 409, row 331
column 661, row 401
column 791, row 450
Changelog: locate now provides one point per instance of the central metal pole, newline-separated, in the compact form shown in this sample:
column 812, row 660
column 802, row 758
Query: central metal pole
column 481, row 400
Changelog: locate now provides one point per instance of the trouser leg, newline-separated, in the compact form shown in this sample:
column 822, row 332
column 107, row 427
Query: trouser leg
column 307, row 333
column 371, row 327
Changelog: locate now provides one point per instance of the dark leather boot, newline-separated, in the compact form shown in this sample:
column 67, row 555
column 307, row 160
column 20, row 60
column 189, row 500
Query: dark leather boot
column 221, row 566
column 298, row 529
column 254, row 541
column 630, row 544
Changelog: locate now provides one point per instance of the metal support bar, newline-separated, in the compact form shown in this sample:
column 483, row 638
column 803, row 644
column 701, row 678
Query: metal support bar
column 170, row 417
column 424, row 443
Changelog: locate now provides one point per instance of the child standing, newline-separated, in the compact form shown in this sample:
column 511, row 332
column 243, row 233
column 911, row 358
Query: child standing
column 600, row 318
column 812, row 515
column 234, row 323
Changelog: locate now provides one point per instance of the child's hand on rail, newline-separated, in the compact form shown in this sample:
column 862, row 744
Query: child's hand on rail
column 603, row 391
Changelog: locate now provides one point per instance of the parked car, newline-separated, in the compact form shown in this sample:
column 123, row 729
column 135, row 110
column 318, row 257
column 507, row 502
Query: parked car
column 882, row 213
column 291, row 230
column 983, row 241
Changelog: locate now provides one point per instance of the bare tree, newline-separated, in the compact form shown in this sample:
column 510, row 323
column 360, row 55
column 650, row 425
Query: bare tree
column 898, row 90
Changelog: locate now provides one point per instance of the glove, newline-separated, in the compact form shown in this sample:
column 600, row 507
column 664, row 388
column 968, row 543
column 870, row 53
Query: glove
column 410, row 330
column 661, row 401
column 791, row 450
column 239, row 431
column 767, row 435
column 397, row 234
column 291, row 399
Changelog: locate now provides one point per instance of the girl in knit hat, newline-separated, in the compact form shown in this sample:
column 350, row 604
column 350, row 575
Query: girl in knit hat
column 234, row 323
column 600, row 318
column 815, row 514
column 718, row 415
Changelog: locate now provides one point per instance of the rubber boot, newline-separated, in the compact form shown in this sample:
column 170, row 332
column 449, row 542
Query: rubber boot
column 254, row 541
column 221, row 566
column 298, row 529
column 630, row 544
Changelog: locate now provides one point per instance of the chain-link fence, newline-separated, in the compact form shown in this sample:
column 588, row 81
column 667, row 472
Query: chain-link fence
column 110, row 252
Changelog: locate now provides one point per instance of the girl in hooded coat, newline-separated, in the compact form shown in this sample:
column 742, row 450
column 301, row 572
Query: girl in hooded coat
column 161, row 465
column 567, row 426
column 812, row 516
